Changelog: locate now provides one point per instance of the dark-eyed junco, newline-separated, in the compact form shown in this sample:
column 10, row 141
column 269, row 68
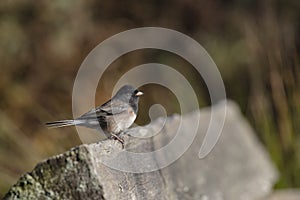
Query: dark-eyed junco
column 114, row 116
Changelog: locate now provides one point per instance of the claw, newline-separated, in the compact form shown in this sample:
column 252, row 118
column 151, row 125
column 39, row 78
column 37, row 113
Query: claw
column 118, row 138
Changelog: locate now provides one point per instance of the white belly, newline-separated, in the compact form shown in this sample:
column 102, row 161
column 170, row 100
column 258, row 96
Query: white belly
column 123, row 124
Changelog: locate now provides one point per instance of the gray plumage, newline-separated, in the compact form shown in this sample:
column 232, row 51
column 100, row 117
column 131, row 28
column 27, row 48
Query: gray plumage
column 114, row 116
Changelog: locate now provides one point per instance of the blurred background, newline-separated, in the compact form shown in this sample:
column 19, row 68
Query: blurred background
column 254, row 43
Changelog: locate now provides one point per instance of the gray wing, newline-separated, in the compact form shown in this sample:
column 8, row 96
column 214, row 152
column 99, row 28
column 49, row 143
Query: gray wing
column 107, row 109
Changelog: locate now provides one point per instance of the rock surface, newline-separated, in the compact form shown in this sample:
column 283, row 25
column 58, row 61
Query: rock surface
column 237, row 168
column 286, row 194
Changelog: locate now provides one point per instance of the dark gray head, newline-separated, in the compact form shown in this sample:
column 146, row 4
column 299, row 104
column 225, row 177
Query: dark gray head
column 128, row 94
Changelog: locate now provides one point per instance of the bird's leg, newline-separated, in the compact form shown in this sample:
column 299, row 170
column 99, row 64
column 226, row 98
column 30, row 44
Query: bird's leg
column 118, row 138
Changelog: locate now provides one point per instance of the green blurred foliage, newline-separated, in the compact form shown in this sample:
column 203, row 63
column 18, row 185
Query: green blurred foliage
column 254, row 43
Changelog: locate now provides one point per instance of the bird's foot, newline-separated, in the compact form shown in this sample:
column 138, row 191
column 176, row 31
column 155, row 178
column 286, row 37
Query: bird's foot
column 114, row 136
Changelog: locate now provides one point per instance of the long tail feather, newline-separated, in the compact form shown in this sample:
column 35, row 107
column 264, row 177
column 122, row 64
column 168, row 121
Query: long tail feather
column 61, row 123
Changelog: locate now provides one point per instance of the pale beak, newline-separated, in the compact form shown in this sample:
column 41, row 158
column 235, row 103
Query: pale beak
column 139, row 93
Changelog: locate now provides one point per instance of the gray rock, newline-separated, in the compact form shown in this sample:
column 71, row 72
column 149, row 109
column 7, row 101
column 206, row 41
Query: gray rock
column 286, row 194
column 237, row 168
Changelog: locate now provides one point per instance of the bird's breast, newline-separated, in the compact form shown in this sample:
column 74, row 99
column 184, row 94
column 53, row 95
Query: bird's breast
column 122, row 121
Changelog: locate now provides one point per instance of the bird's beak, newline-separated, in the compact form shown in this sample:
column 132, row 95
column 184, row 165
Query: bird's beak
column 139, row 94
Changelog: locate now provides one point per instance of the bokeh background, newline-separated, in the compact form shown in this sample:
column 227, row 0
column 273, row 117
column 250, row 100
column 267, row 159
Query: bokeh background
column 254, row 43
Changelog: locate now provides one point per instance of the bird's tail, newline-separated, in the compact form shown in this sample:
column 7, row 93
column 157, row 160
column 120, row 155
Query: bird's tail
column 61, row 123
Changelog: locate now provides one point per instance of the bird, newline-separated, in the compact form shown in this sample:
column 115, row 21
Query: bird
column 113, row 117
